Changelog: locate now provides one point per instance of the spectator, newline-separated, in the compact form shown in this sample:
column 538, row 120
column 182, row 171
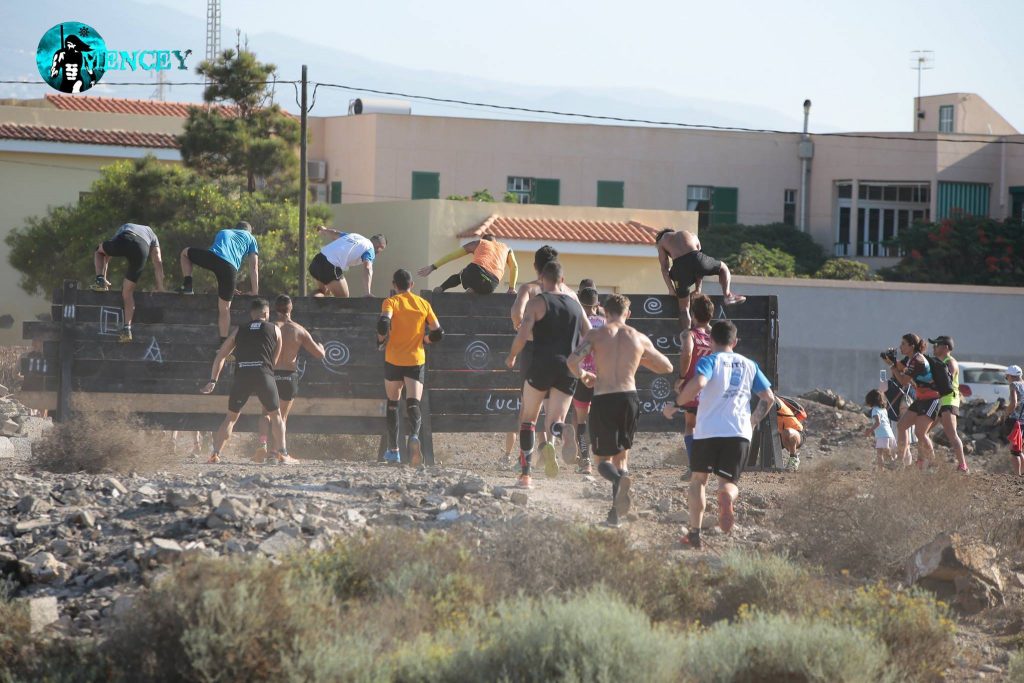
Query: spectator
column 885, row 441
column 915, row 373
column 1015, row 416
column 949, row 404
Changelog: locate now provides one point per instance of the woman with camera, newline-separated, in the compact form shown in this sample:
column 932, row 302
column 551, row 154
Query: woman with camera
column 915, row 371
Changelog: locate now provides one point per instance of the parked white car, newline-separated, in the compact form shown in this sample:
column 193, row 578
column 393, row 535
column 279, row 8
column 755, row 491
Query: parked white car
column 987, row 381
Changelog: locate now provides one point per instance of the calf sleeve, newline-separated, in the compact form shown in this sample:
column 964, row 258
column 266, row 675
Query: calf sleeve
column 688, row 441
column 582, row 442
column 557, row 429
column 527, row 434
column 412, row 410
column 391, row 417
column 609, row 471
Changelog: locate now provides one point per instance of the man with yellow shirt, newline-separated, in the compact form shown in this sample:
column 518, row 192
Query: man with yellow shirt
column 483, row 274
column 402, row 328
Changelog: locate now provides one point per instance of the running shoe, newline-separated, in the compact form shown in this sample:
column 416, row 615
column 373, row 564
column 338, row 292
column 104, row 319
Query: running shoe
column 726, row 514
column 259, row 456
column 392, row 457
column 507, row 461
column 285, row 459
column 585, row 467
column 624, row 499
column 415, row 451
column 126, row 335
column 100, row 286
column 793, row 464
column 524, row 482
column 613, row 519
column 550, row 460
column 692, row 540
column 188, row 291
column 733, row 299
column 214, row 459
column 962, row 467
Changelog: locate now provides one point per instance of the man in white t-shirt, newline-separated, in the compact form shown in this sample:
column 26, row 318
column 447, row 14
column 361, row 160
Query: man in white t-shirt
column 345, row 250
column 725, row 424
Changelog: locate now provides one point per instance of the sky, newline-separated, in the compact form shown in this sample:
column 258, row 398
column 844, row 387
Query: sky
column 852, row 59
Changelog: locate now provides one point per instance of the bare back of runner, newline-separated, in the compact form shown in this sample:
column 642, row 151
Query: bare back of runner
column 684, row 265
column 618, row 351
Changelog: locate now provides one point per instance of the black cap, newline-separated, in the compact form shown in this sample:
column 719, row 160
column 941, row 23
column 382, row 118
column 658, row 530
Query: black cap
column 588, row 296
column 942, row 339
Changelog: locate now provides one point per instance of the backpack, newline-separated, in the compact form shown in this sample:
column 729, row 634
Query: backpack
column 942, row 376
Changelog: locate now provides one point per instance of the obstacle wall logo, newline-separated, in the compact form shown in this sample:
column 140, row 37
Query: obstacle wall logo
column 72, row 57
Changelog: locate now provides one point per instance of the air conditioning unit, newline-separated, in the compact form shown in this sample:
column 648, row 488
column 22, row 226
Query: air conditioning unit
column 316, row 171
column 319, row 192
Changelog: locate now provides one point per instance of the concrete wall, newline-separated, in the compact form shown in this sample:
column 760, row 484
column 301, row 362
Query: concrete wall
column 833, row 331
column 971, row 114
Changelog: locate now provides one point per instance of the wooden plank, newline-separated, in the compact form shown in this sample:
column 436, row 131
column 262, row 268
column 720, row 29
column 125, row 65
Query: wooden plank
column 171, row 301
column 485, row 402
column 469, row 379
column 112, row 317
column 507, row 422
column 192, row 386
column 299, row 424
column 199, row 403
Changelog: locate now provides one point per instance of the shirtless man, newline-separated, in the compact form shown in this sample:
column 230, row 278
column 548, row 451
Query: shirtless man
column 684, row 265
column 555, row 320
column 294, row 337
column 618, row 351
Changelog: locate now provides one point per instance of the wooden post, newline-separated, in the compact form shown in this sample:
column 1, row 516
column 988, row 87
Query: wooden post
column 66, row 349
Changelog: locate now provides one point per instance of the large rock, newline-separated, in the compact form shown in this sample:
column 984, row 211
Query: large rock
column 43, row 567
column 959, row 569
column 42, row 612
column 10, row 428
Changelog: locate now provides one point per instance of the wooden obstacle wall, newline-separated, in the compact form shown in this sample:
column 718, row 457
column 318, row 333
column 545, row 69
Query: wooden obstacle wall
column 79, row 365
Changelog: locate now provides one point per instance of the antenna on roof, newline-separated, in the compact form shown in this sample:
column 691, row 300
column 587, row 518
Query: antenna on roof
column 920, row 60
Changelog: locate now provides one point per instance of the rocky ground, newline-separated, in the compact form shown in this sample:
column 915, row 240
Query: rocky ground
column 80, row 546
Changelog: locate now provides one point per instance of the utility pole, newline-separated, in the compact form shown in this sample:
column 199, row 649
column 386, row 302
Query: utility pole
column 303, row 188
column 806, row 153
column 920, row 60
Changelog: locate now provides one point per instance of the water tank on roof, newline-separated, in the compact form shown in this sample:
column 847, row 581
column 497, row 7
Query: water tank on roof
column 365, row 105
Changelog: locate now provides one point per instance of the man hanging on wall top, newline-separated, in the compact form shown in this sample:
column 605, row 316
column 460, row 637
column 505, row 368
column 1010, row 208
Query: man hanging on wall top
column 345, row 250
column 482, row 275
column 684, row 265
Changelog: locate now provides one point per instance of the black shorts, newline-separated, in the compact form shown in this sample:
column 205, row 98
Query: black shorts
column 584, row 394
column 225, row 272
column 550, row 373
column 954, row 410
column 131, row 247
column 287, row 384
column 612, row 422
column 723, row 456
column 253, row 381
column 324, row 271
column 926, row 407
column 477, row 279
column 397, row 373
column 688, row 267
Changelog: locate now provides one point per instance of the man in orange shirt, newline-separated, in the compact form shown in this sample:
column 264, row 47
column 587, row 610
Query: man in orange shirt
column 402, row 327
column 790, row 432
column 484, row 273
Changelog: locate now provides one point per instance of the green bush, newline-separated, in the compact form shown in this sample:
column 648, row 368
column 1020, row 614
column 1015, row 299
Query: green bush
column 763, row 647
column 724, row 242
column 769, row 583
column 1015, row 672
column 594, row 637
column 845, row 269
column 759, row 260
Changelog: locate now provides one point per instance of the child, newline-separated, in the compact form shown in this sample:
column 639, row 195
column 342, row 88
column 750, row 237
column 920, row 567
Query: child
column 1015, row 415
column 885, row 440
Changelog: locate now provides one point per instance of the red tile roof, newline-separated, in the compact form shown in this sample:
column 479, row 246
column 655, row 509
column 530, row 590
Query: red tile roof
column 123, row 138
column 564, row 230
column 123, row 105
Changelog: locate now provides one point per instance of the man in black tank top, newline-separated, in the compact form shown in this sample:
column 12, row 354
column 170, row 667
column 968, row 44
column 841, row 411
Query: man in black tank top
column 556, row 322
column 257, row 347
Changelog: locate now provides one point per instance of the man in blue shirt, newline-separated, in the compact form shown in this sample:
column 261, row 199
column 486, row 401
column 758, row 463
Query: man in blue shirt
column 224, row 258
column 721, row 437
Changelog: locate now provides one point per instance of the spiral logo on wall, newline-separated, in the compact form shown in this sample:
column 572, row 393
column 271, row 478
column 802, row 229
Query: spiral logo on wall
column 478, row 355
column 661, row 388
column 300, row 368
column 336, row 356
column 652, row 306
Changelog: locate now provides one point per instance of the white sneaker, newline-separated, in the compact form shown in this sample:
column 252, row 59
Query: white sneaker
column 793, row 464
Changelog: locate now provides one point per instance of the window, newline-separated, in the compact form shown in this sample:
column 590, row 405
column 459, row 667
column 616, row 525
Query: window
column 883, row 209
column 1017, row 202
column 946, row 118
column 698, row 198
column 789, row 207
column 426, row 185
column 336, row 192
column 724, row 205
column 611, row 193
column 521, row 187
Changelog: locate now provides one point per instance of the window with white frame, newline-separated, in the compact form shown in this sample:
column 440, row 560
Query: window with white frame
column 521, row 187
column 883, row 210
column 789, row 207
column 946, row 118
column 698, row 198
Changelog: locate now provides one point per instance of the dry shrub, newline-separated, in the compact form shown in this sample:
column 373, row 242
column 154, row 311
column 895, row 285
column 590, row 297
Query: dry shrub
column 97, row 442
column 771, row 583
column 871, row 529
column 10, row 365
column 346, row 447
column 1015, row 671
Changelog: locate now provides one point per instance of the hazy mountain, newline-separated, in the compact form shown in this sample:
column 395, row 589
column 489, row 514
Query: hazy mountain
column 135, row 26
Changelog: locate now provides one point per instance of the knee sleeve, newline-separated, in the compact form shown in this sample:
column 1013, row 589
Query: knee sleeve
column 412, row 410
column 527, row 434
column 557, row 429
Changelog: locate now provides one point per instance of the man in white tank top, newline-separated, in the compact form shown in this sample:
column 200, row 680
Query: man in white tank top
column 345, row 250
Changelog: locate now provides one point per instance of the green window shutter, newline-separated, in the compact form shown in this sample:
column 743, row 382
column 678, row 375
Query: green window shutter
column 969, row 198
column 611, row 193
column 426, row 185
column 725, row 202
column 545, row 191
column 336, row 192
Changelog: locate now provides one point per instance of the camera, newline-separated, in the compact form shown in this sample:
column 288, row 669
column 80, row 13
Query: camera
column 889, row 355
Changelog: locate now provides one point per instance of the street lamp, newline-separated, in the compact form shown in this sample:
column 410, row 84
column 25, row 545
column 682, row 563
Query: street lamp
column 805, row 152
